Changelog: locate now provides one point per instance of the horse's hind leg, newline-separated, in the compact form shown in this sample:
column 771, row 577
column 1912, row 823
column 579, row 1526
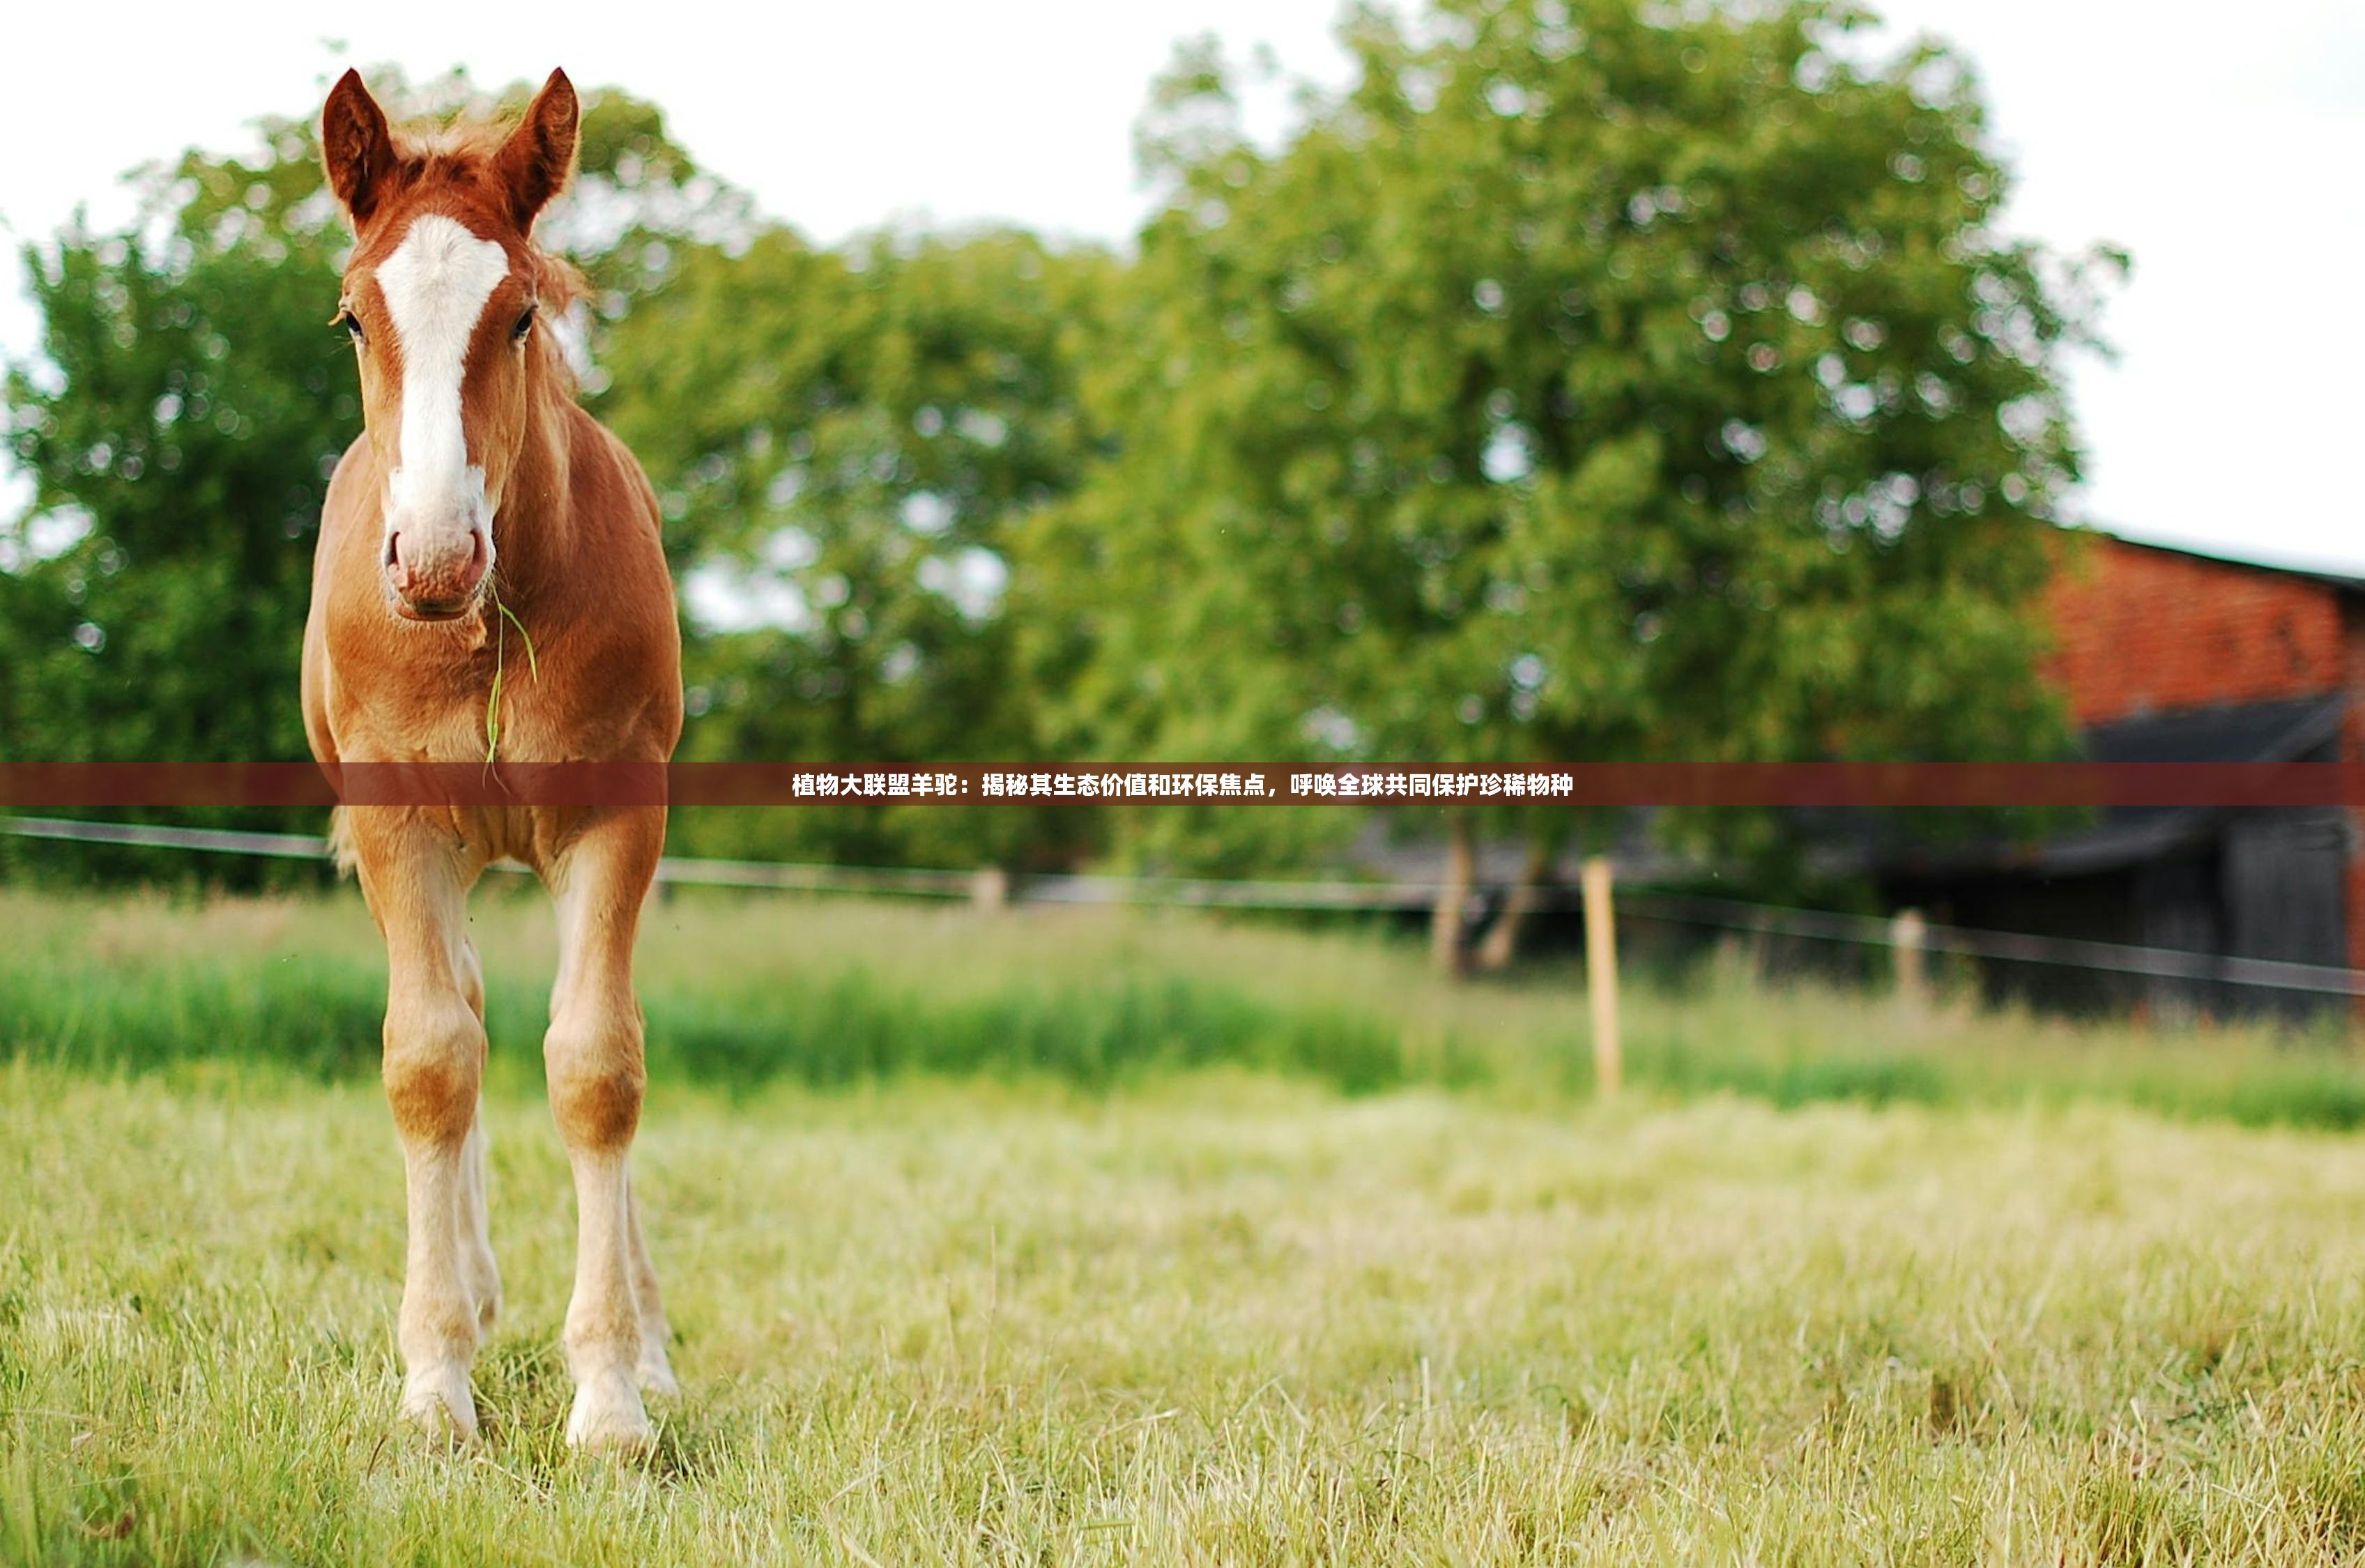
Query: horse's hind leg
column 481, row 1274
column 656, row 1367
column 416, row 881
column 593, row 1058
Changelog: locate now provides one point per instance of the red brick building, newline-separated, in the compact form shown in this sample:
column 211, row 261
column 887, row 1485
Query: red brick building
column 2173, row 656
column 2144, row 629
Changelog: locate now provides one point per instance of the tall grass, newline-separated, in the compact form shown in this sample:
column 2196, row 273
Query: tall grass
column 743, row 991
column 1041, row 1298
column 1218, row 1319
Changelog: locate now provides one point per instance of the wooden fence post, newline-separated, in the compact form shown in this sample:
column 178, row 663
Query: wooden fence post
column 1601, row 977
column 1908, row 939
column 1448, row 917
column 989, row 889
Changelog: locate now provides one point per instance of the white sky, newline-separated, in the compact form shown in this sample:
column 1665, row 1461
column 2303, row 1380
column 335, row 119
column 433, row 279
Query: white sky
column 2224, row 157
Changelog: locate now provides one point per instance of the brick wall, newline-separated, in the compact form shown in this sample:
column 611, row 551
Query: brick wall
column 2144, row 630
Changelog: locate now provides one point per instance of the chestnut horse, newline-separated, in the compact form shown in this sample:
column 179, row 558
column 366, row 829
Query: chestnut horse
column 481, row 521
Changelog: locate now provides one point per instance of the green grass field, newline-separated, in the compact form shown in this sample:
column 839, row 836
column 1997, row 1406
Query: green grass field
column 1080, row 1238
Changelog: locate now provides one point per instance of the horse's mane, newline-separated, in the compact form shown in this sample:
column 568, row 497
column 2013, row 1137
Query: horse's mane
column 467, row 142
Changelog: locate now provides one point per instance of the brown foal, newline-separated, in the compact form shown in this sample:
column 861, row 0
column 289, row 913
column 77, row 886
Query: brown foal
column 482, row 513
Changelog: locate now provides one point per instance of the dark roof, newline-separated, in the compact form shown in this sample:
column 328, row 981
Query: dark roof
column 2284, row 731
column 2227, row 732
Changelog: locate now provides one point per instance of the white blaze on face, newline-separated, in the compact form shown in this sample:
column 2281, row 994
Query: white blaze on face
column 436, row 284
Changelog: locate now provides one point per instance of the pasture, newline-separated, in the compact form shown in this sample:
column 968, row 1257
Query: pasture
column 1065, row 1237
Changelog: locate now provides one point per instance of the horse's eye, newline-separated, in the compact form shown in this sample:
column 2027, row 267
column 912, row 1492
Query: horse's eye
column 524, row 325
column 350, row 323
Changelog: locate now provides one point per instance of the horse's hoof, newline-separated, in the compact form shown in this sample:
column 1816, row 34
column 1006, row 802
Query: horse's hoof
column 436, row 1401
column 607, row 1418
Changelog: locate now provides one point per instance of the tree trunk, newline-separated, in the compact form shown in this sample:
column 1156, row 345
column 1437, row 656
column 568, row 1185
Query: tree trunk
column 1445, row 920
column 1502, row 940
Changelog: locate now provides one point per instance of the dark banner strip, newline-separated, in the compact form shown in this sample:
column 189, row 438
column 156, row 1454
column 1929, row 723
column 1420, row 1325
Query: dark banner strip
column 104, row 785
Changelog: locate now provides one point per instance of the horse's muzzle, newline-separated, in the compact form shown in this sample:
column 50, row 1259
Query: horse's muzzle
column 436, row 576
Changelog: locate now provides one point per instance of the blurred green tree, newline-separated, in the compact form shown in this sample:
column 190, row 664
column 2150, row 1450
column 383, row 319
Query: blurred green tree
column 177, row 433
column 1591, row 379
column 846, row 443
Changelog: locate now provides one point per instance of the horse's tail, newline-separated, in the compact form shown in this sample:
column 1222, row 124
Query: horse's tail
column 340, row 841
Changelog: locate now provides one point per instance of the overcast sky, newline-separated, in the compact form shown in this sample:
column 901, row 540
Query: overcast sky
column 2224, row 157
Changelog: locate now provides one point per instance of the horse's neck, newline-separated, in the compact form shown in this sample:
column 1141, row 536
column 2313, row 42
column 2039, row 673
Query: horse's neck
column 536, row 523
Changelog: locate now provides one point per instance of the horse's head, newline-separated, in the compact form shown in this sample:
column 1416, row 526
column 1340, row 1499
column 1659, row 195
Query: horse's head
column 442, row 299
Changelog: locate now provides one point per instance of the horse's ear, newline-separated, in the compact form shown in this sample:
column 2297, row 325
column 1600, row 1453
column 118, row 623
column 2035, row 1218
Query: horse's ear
column 534, row 162
column 356, row 149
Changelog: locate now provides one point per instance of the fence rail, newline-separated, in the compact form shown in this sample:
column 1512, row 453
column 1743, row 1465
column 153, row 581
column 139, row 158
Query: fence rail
column 1205, row 892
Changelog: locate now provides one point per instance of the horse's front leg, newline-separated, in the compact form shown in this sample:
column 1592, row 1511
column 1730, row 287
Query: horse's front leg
column 593, row 1056
column 415, row 880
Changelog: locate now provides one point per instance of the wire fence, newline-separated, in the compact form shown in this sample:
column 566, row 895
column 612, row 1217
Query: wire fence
column 1203, row 893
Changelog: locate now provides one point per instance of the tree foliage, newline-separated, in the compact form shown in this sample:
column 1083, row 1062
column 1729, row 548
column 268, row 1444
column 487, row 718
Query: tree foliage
column 845, row 441
column 1588, row 381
